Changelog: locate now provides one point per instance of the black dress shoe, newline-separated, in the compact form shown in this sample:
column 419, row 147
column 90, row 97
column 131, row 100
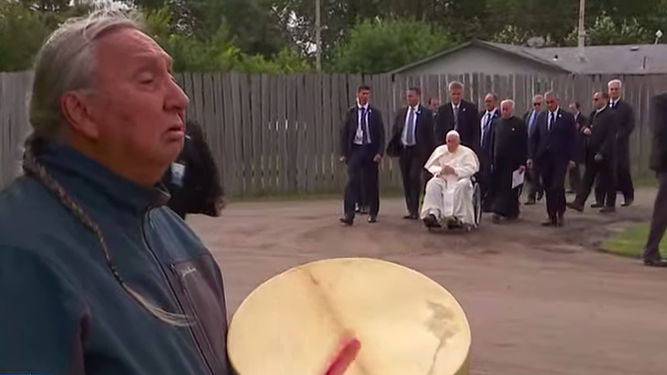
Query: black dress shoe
column 575, row 206
column 662, row 263
column 540, row 195
column 363, row 211
column 608, row 210
column 628, row 202
column 597, row 205
column 347, row 221
column 530, row 202
column 549, row 223
column 411, row 217
column 372, row 219
column 431, row 221
column 560, row 221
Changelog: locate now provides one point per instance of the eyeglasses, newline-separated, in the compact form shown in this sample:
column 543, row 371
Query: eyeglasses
column 537, row 104
column 596, row 99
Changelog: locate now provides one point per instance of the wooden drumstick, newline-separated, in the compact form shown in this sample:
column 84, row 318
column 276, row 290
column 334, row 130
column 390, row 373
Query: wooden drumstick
column 342, row 358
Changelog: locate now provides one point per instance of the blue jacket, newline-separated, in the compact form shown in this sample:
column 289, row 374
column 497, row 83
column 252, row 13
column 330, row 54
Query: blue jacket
column 61, row 309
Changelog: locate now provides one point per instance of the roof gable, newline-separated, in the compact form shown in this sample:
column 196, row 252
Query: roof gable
column 615, row 59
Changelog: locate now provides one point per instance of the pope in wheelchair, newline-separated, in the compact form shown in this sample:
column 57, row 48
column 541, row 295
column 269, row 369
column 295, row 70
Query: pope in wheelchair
column 452, row 195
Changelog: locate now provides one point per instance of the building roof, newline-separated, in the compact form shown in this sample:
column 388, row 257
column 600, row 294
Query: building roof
column 614, row 59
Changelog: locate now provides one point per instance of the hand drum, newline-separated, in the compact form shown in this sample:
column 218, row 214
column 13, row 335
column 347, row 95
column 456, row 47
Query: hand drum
column 351, row 316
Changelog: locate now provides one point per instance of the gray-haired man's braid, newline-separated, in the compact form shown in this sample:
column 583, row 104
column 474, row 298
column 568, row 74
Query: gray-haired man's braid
column 33, row 168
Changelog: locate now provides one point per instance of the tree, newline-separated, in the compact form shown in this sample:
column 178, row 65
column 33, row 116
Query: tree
column 379, row 46
column 605, row 31
column 22, row 32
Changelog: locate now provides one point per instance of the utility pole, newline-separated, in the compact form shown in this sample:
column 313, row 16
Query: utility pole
column 582, row 31
column 318, row 35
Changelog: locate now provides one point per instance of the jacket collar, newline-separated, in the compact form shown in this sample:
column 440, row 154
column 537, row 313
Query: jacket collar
column 84, row 178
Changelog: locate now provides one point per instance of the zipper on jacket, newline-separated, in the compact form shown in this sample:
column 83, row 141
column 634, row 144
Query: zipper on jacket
column 147, row 217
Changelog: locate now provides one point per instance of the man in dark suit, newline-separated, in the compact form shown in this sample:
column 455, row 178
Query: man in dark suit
column 458, row 115
column 193, row 179
column 362, row 142
column 658, row 163
column 484, row 150
column 412, row 137
column 600, row 155
column 574, row 176
column 626, row 125
column 535, row 189
column 552, row 151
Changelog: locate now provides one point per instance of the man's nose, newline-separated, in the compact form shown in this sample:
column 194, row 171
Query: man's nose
column 176, row 98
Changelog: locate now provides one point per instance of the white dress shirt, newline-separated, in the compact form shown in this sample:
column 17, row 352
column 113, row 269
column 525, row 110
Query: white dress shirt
column 404, row 137
column 358, row 138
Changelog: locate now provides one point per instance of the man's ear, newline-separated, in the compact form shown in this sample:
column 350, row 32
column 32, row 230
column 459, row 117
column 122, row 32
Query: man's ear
column 78, row 111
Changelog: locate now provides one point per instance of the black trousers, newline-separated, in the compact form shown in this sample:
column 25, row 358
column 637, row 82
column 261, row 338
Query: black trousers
column 414, row 177
column 360, row 165
column 658, row 220
column 623, row 179
column 574, row 178
column 485, row 179
column 362, row 200
column 553, row 171
column 605, row 173
column 534, row 182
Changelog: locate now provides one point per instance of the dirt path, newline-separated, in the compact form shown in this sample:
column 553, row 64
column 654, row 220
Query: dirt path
column 540, row 301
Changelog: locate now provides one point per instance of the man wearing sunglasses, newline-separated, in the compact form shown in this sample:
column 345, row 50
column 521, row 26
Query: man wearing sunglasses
column 535, row 189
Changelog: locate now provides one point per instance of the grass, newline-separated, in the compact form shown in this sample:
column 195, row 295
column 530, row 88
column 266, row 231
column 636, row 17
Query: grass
column 630, row 242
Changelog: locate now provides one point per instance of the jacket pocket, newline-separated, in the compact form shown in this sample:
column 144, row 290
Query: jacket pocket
column 200, row 288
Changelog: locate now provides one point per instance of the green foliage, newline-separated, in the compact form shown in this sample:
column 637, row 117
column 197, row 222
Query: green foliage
column 380, row 46
column 22, row 32
column 605, row 31
column 367, row 36
column 511, row 34
column 217, row 53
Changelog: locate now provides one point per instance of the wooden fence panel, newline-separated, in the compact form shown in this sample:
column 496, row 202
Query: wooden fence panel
column 280, row 134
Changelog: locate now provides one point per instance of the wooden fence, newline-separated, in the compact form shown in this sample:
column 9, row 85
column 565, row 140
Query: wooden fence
column 278, row 134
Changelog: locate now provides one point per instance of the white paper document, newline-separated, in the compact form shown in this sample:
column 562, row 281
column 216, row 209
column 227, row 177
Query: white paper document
column 517, row 178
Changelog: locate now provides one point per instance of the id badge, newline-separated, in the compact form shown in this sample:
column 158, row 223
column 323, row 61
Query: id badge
column 177, row 174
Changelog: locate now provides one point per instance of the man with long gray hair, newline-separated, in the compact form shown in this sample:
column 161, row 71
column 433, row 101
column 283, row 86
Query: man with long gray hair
column 97, row 276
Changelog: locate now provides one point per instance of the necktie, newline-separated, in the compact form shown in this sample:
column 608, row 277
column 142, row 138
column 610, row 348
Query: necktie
column 486, row 127
column 364, row 126
column 551, row 120
column 531, row 122
column 410, row 138
column 456, row 118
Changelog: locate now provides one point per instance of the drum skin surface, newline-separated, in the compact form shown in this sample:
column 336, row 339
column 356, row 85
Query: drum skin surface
column 405, row 323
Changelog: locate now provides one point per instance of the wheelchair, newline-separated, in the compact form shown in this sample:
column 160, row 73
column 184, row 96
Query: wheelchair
column 477, row 212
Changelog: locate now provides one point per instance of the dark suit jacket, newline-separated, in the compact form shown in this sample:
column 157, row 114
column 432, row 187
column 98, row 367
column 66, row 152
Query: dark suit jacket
column 557, row 144
column 602, row 140
column 484, row 148
column 423, row 132
column 658, row 161
column 526, row 118
column 468, row 124
column 626, row 125
column 349, row 130
column 201, row 185
column 581, row 122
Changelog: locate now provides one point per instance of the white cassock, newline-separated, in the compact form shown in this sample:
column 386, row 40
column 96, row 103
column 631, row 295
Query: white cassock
column 450, row 196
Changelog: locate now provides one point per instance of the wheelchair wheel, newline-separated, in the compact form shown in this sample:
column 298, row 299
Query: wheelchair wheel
column 477, row 204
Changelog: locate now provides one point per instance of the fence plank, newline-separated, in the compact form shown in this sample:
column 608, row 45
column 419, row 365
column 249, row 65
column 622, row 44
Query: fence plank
column 280, row 134
column 256, row 133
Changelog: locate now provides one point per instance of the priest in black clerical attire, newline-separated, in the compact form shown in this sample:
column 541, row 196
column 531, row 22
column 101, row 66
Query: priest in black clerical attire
column 509, row 154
